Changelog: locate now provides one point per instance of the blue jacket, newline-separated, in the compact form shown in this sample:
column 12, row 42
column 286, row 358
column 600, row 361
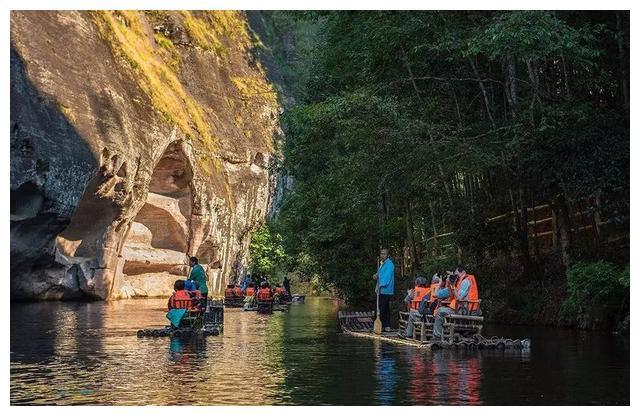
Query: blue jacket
column 385, row 277
column 464, row 288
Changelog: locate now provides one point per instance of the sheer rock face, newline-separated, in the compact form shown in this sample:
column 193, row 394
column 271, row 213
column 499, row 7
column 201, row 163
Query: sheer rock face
column 137, row 138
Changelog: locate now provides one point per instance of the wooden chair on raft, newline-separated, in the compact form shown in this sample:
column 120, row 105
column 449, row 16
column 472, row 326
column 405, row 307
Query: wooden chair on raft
column 194, row 316
column 466, row 322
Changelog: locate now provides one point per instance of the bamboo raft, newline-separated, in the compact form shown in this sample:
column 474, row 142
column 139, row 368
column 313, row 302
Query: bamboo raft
column 459, row 332
column 274, row 308
column 207, row 323
column 297, row 298
column 234, row 302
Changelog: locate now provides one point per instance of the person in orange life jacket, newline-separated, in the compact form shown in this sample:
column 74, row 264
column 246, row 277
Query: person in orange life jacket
column 409, row 298
column 237, row 291
column 416, row 294
column 385, row 287
column 250, row 296
column 251, row 291
column 279, row 289
column 458, row 291
column 279, row 292
column 466, row 291
column 444, row 295
column 419, row 293
column 436, row 280
column 228, row 291
column 179, row 294
column 264, row 293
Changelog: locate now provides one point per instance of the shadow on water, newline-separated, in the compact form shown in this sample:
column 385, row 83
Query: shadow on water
column 89, row 354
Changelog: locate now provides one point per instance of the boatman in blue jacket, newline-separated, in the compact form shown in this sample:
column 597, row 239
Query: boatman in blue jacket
column 384, row 288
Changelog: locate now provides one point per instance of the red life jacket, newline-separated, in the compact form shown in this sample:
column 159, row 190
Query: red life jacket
column 237, row 291
column 280, row 290
column 264, row 294
column 418, row 294
column 250, row 291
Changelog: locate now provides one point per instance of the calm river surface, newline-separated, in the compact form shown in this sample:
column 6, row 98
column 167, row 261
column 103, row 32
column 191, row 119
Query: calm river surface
column 88, row 353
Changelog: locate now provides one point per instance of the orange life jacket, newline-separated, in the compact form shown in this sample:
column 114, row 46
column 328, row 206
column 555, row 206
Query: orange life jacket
column 264, row 294
column 228, row 292
column 250, row 291
column 280, row 290
column 434, row 289
column 237, row 291
column 181, row 299
column 418, row 294
column 472, row 295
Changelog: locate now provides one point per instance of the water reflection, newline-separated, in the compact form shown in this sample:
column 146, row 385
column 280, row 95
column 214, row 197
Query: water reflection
column 385, row 373
column 65, row 353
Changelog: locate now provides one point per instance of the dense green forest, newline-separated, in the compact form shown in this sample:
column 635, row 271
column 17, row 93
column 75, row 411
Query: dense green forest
column 499, row 140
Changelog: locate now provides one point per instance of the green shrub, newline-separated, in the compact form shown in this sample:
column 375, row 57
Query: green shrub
column 596, row 294
column 266, row 251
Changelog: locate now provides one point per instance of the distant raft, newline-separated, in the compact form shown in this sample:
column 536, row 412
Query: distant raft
column 297, row 298
column 275, row 307
column 460, row 332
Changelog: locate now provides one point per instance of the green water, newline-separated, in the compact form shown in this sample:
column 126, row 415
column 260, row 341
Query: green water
column 88, row 353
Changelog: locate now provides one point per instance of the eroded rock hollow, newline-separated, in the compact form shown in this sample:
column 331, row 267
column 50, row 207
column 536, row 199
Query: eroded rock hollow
column 137, row 139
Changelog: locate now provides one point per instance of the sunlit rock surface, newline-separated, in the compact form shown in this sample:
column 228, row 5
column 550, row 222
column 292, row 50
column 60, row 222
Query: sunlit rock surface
column 137, row 140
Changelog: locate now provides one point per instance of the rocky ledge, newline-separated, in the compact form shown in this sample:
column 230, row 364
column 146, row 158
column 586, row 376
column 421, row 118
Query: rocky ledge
column 137, row 139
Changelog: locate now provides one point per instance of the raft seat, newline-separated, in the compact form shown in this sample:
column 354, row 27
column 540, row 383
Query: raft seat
column 422, row 329
column 465, row 325
column 469, row 307
column 194, row 311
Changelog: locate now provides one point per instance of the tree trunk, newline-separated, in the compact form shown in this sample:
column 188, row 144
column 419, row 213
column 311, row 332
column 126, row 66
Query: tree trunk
column 408, row 219
column 536, row 245
column 566, row 78
column 595, row 221
column 523, row 229
column 445, row 183
column 623, row 64
column 405, row 58
column 484, row 92
column 511, row 93
column 435, row 232
column 559, row 207
column 455, row 100
column 533, row 76
column 383, row 206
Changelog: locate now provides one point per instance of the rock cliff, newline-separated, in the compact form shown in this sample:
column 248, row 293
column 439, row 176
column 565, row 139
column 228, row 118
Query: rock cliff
column 136, row 138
